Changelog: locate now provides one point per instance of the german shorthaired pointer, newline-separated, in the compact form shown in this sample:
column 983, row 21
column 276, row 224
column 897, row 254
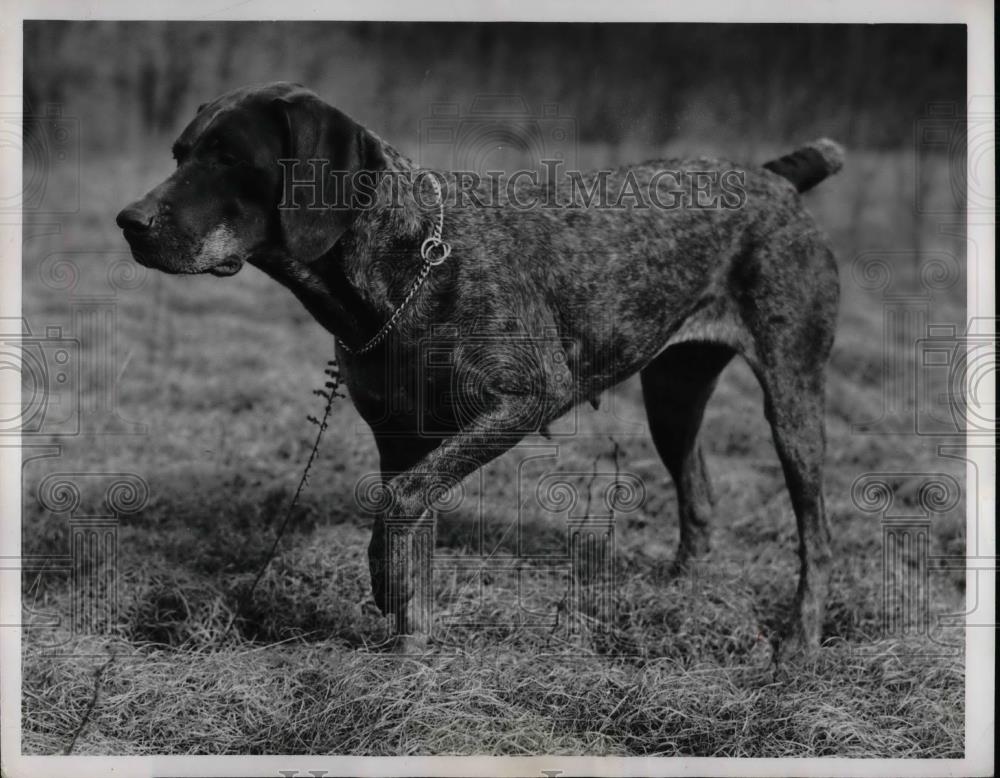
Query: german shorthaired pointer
column 528, row 310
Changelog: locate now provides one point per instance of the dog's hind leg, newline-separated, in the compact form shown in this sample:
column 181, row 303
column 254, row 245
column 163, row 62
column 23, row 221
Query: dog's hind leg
column 793, row 405
column 792, row 334
column 676, row 386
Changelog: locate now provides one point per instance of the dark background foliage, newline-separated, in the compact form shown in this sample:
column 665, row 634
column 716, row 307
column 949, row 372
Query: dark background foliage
column 649, row 83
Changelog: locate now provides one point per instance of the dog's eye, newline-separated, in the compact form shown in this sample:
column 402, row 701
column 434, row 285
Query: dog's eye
column 223, row 155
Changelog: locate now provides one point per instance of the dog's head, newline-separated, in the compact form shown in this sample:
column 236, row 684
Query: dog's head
column 220, row 208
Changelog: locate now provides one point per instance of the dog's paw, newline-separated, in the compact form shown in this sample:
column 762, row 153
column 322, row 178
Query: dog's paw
column 410, row 645
column 794, row 645
column 686, row 563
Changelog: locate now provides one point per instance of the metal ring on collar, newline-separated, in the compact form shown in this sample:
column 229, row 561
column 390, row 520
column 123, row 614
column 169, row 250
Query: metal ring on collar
column 429, row 246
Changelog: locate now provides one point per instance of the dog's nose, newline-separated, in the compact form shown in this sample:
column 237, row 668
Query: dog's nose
column 135, row 219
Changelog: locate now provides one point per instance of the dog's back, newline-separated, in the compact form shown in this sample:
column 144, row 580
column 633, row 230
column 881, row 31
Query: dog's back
column 627, row 257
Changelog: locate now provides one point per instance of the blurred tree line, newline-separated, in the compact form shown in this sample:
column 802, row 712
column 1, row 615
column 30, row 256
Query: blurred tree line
column 863, row 84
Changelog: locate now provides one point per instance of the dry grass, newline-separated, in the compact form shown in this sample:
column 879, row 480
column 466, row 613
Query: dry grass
column 327, row 699
column 220, row 372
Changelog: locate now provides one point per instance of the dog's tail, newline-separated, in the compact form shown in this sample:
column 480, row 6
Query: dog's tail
column 807, row 166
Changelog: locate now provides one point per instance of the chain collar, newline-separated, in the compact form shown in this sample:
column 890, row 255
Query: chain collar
column 433, row 251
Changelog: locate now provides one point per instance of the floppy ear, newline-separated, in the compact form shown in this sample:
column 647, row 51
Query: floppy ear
column 338, row 147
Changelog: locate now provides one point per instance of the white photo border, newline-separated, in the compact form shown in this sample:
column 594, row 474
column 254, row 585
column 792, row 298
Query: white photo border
column 980, row 642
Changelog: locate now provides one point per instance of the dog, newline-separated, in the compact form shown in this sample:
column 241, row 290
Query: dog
column 529, row 310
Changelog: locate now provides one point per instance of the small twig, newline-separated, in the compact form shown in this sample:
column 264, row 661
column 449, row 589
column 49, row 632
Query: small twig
column 90, row 706
column 329, row 393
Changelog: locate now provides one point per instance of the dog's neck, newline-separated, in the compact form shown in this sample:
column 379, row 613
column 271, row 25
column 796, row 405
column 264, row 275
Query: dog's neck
column 355, row 287
column 385, row 238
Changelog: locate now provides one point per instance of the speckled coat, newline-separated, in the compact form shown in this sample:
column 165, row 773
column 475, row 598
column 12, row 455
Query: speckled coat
column 534, row 311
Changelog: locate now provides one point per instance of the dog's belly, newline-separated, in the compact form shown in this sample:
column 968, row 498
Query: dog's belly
column 613, row 353
column 717, row 324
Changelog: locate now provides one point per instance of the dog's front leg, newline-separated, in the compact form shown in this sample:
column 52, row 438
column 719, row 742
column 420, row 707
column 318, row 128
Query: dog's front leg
column 400, row 559
column 401, row 549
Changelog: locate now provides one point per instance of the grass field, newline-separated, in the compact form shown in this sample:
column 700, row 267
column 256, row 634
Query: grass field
column 219, row 371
